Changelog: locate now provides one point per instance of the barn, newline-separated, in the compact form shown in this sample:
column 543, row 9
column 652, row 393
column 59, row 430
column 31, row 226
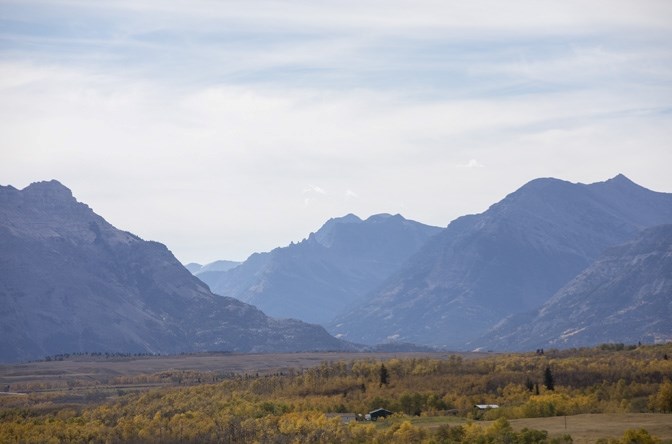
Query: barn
column 373, row 415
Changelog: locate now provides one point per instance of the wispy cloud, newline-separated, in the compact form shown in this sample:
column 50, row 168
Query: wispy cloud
column 312, row 189
column 244, row 103
column 472, row 163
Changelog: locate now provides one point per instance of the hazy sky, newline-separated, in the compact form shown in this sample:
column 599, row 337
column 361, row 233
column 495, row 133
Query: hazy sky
column 221, row 128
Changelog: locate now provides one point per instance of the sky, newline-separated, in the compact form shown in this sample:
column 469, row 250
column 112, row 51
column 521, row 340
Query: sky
column 224, row 128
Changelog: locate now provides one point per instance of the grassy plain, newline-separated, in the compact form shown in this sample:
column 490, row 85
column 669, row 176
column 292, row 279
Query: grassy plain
column 79, row 370
column 588, row 428
column 90, row 379
column 584, row 429
column 599, row 394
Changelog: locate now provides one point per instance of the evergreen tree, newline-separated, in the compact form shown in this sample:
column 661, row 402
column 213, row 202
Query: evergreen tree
column 384, row 375
column 529, row 384
column 548, row 379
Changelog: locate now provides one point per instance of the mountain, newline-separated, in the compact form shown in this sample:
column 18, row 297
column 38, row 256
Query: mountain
column 507, row 260
column 71, row 282
column 625, row 296
column 193, row 267
column 327, row 272
column 213, row 267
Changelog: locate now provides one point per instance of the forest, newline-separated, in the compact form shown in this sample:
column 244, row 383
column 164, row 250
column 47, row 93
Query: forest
column 432, row 399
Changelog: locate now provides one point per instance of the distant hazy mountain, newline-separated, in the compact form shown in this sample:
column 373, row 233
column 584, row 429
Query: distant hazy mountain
column 324, row 274
column 625, row 296
column 507, row 260
column 71, row 282
column 193, row 267
column 212, row 267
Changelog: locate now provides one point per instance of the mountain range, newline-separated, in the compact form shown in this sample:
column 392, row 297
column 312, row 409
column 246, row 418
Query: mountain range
column 507, row 260
column 71, row 282
column 448, row 287
column 553, row 264
column 332, row 268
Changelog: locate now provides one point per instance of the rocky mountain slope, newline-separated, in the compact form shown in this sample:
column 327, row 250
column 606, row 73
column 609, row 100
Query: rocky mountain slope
column 625, row 296
column 330, row 270
column 71, row 282
column 507, row 260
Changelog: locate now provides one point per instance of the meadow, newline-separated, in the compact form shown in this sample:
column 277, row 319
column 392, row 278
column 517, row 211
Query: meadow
column 608, row 394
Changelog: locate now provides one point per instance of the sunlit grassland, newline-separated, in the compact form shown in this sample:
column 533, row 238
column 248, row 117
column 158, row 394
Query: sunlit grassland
column 598, row 393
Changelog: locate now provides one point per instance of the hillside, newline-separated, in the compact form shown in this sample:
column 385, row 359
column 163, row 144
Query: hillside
column 625, row 296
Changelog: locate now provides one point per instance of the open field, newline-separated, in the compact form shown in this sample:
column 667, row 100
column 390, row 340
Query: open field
column 584, row 429
column 79, row 372
column 598, row 393
column 589, row 427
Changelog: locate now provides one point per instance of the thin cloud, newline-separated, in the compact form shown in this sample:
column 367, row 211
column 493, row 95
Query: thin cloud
column 472, row 163
column 349, row 194
column 312, row 189
column 156, row 106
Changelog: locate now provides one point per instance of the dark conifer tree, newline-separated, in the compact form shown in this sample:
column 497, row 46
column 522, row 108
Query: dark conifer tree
column 548, row 379
column 384, row 375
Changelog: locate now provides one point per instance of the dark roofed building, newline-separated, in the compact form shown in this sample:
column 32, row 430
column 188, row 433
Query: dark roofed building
column 373, row 415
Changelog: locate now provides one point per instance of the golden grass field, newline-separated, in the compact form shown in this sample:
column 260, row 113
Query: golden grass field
column 87, row 371
column 589, row 427
column 37, row 397
column 584, row 429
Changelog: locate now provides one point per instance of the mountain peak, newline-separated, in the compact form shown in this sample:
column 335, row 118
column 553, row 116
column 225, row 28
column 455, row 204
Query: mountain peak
column 325, row 234
column 384, row 217
column 52, row 185
column 52, row 190
column 620, row 180
column 620, row 177
column 347, row 219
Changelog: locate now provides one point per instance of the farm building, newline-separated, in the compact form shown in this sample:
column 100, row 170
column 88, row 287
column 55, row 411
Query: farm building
column 480, row 408
column 373, row 415
column 486, row 406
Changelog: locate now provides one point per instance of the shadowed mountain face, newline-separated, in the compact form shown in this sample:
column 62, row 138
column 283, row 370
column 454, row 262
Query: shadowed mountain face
column 625, row 296
column 507, row 260
column 71, row 282
column 331, row 270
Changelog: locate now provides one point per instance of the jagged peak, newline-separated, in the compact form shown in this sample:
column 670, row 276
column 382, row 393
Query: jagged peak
column 619, row 183
column 51, row 188
column 620, row 177
column 52, row 184
column 347, row 219
column 621, row 180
